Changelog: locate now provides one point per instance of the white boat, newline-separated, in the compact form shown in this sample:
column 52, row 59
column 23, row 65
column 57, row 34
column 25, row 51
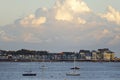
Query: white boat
column 74, row 72
column 43, row 65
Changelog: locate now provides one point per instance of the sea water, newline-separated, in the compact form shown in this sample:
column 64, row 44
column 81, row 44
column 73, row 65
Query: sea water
column 58, row 70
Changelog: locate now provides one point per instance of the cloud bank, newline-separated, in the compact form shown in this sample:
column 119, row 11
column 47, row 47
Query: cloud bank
column 69, row 25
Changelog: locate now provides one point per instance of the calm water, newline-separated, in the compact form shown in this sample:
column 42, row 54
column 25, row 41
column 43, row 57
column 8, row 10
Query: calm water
column 58, row 70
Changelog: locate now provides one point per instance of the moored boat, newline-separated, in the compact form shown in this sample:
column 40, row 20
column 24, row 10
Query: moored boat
column 76, row 68
column 29, row 74
column 72, row 74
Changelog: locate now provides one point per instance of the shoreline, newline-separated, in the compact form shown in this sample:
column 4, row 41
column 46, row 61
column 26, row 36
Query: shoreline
column 59, row 60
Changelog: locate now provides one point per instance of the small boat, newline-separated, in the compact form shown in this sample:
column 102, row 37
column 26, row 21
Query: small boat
column 76, row 68
column 43, row 66
column 29, row 73
column 72, row 74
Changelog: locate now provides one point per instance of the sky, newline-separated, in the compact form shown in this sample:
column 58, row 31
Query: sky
column 60, row 25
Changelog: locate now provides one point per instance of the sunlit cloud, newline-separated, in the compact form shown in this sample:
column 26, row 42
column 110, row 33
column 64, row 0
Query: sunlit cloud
column 63, row 15
column 31, row 20
column 69, row 10
column 81, row 21
column 112, row 15
column 78, row 6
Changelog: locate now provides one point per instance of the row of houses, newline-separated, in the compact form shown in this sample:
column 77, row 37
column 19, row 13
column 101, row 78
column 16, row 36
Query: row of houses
column 100, row 54
column 31, row 55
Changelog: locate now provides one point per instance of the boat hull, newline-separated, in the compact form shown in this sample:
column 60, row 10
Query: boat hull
column 76, row 68
column 68, row 74
column 31, row 74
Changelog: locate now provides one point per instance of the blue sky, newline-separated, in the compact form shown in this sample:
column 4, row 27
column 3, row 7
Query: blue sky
column 60, row 25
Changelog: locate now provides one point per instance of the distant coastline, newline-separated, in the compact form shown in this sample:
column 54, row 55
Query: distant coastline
column 24, row 55
column 59, row 60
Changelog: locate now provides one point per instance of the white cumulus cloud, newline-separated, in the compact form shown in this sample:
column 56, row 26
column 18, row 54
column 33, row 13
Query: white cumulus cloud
column 112, row 15
column 31, row 20
column 69, row 10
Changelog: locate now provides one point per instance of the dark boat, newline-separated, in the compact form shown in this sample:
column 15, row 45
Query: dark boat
column 75, row 68
column 29, row 73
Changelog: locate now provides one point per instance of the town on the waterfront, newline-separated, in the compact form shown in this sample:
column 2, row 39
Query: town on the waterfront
column 25, row 55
